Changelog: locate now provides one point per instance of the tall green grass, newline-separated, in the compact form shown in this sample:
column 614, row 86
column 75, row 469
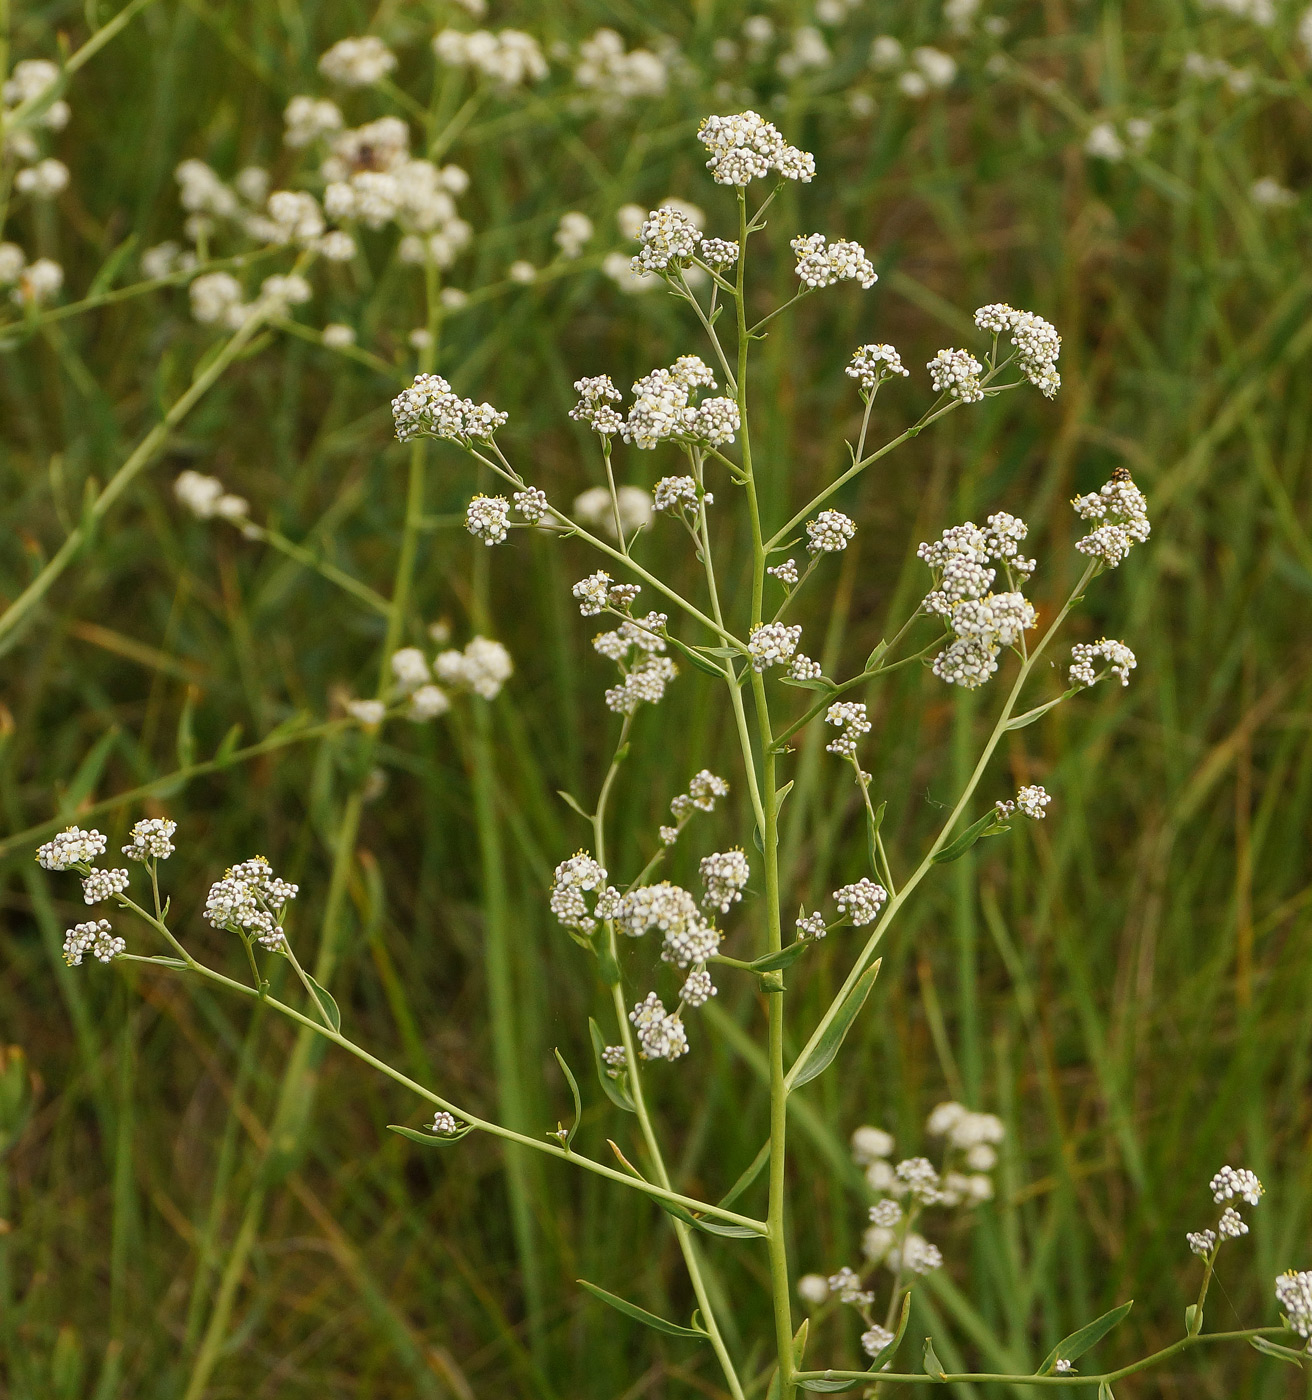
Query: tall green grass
column 199, row 1204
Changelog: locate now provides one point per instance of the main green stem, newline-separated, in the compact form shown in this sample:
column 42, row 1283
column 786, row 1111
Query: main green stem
column 775, row 1214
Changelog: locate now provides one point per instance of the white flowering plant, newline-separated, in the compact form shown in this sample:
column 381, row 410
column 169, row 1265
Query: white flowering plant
column 973, row 622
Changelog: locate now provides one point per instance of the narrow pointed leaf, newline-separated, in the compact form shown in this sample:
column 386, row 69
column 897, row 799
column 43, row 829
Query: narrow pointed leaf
column 702, row 663
column 828, row 1387
column 229, row 745
column 638, row 1314
column 1105, row 1391
column 986, row 826
column 612, row 1088
column 1073, row 1347
column 749, row 1176
column 329, row 1005
column 874, row 820
column 578, row 1102
column 799, row 1343
column 888, row 1352
column 821, row 1055
column 785, row 957
column 933, row 1366
column 1274, row 1349
column 1193, row 1319
column 160, row 960
column 186, row 739
column 723, row 1227
column 573, row 803
column 427, row 1139
column 88, row 774
column 1021, row 721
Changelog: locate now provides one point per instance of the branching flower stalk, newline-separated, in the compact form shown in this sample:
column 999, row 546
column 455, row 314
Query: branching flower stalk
column 977, row 606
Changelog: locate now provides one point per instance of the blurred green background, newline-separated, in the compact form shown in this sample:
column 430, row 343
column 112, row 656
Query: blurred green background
column 196, row 1206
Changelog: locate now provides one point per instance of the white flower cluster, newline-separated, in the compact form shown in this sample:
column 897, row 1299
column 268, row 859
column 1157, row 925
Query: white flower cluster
column 668, row 240
column 595, row 507
column 1120, row 661
column 361, row 62
column 96, row 938
column 1037, row 343
column 811, row 925
column 1030, row 801
column 32, row 80
column 786, row 573
column 251, row 900
column 44, row 180
column 72, row 848
column 975, row 1134
column 845, row 1285
column 596, row 394
column 982, row 622
column 698, row 988
column 509, row 58
column 872, row 364
column 532, row 504
column 207, row 498
column 746, row 147
column 875, row 1338
column 1227, row 1185
column 661, row 1035
column 663, row 410
column 428, row 408
column 1123, row 509
column 802, row 668
column 956, row 373
column 1294, row 1294
column 645, row 679
column 1104, row 142
column 618, row 76
column 101, row 885
column 773, row 644
column 616, row 1060
column 724, row 877
column 689, row 939
column 483, row 667
column 32, row 85
column 676, row 495
column 821, row 266
column 703, row 793
column 487, row 517
column 861, row 902
column 830, row 532
column 575, row 877
column 643, row 684
column 414, row 679
column 151, row 839
column 444, row 1124
column 599, row 591
column 851, row 715
column 718, row 253
column 31, row 283
column 927, row 70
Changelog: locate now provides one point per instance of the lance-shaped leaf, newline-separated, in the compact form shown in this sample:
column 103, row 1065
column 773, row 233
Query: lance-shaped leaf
column 431, row 1139
column 1021, row 721
column 578, row 1102
column 614, row 1090
column 785, row 957
column 933, row 1366
column 874, row 820
column 638, row 1314
column 887, row 1353
column 573, row 804
column 1105, row 1391
column 330, row 1007
column 825, row 1386
column 702, row 662
column 1295, row 1358
column 988, row 825
column 1072, row 1347
column 821, row 1054
column 749, row 1176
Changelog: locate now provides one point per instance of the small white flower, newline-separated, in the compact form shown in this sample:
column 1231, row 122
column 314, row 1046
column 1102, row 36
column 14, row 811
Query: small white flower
column 813, row 1289
column 846, row 1283
column 95, row 938
column 1231, row 1225
column 151, row 839
column 410, row 669
column 360, row 62
column 772, row 644
column 1230, row 1183
column 872, row 364
column 830, row 532
column 338, row 336
column 101, row 885
column 871, row 1145
column 861, row 902
column 821, row 266
column 811, row 925
column 851, row 715
column 956, row 373
column 724, row 877
column 786, row 573
column 1294, row 1290
column 486, row 518
column 1032, row 800
column 698, row 989
column 444, row 1124
column 368, row 712
column 428, row 702
column 71, row 847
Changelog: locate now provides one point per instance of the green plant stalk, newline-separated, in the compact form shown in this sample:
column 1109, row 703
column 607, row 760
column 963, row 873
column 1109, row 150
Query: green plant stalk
column 775, row 1217
column 898, row 900
column 1105, row 1377
column 140, row 457
column 687, row 1245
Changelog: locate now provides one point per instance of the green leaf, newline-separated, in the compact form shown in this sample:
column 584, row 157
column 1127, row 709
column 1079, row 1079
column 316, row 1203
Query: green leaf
column 820, row 1056
column 780, row 795
column 749, row 1176
column 933, row 1366
column 891, row 1348
column 785, row 957
column 826, row 1387
column 723, row 1227
column 229, row 745
column 986, row 826
column 104, row 278
column 161, row 961
column 1274, row 1349
column 1193, row 1319
column 876, row 656
column 1105, row 1391
column 428, row 1139
column 88, row 774
column 1073, row 1347
column 578, row 1102
column 638, row 1314
column 701, row 662
column 820, row 684
column 614, row 1089
column 1021, row 721
column 573, row 804
column 329, row 1005
column 799, row 1343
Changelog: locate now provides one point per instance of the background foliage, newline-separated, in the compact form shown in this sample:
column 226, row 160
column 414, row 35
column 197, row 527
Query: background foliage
column 1127, row 984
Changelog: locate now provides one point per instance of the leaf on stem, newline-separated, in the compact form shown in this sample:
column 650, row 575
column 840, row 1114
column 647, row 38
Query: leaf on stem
column 88, row 774
column 698, row 659
column 749, row 1176
column 160, row 960
column 573, row 804
column 1193, row 1319
column 988, row 825
column 1036, row 713
column 874, row 820
column 186, row 739
column 638, row 1314
column 821, row 1055
column 228, row 747
column 1073, row 1347
column 1105, row 1391
column 886, row 1355
column 828, row 1387
column 329, row 1005
column 785, row 957
column 933, row 1366
column 614, row 1089
column 429, row 1139
column 1274, row 1349
column 578, row 1102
